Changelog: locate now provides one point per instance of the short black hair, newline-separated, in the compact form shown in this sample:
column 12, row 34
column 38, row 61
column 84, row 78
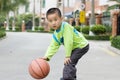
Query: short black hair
column 54, row 10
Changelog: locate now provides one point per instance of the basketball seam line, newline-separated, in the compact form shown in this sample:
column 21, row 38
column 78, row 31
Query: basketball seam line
column 34, row 71
column 47, row 65
column 40, row 68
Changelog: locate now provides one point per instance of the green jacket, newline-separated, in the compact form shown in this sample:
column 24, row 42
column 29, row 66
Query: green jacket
column 69, row 37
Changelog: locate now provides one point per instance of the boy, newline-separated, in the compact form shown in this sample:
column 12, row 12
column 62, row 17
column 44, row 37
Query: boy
column 75, row 44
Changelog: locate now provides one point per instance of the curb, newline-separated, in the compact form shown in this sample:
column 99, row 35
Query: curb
column 117, row 51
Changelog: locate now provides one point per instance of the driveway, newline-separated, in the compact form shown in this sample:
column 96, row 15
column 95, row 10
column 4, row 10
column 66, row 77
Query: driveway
column 18, row 49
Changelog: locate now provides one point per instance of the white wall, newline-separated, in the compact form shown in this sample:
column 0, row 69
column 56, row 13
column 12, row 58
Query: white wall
column 103, row 2
column 71, row 3
column 49, row 4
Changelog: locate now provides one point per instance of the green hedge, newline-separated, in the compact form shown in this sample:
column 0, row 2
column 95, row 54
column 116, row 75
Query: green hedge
column 85, row 29
column 17, row 29
column 41, row 28
column 115, row 42
column 2, row 33
column 97, row 37
column 77, row 28
column 98, row 29
column 2, row 28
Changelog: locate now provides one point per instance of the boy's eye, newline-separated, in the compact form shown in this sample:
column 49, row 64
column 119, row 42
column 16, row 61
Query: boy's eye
column 50, row 20
column 55, row 19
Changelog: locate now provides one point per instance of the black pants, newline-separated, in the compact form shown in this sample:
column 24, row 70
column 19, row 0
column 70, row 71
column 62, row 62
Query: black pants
column 69, row 71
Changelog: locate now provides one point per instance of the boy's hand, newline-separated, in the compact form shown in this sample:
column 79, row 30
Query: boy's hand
column 67, row 60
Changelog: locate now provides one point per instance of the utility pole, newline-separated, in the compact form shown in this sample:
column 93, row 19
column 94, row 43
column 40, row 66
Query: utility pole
column 82, row 14
column 68, row 3
column 33, row 27
column 93, row 13
column 63, row 7
column 92, row 18
column 60, row 5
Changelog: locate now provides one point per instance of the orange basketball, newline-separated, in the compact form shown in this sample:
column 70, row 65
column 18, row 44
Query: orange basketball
column 39, row 68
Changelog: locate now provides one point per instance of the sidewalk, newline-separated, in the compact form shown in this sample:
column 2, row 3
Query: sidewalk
column 107, row 45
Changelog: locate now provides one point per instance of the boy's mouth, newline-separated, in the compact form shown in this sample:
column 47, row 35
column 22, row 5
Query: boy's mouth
column 54, row 26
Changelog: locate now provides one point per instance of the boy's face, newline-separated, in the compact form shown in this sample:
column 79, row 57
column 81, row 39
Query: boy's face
column 54, row 21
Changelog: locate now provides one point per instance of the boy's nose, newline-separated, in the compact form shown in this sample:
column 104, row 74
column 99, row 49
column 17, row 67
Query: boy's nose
column 53, row 23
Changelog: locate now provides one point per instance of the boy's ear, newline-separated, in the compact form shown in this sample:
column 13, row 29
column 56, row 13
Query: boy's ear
column 62, row 18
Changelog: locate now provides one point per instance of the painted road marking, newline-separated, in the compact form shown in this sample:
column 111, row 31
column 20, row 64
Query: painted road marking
column 109, row 52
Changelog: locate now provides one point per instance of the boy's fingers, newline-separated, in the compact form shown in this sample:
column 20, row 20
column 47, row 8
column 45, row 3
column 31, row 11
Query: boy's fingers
column 67, row 61
column 43, row 58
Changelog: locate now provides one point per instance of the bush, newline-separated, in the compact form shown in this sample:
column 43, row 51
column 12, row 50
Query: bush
column 109, row 29
column 2, row 33
column 36, row 28
column 77, row 28
column 2, row 19
column 51, row 30
column 26, row 18
column 115, row 42
column 41, row 28
column 85, row 29
column 2, row 28
column 97, row 37
column 17, row 28
column 10, row 28
column 98, row 29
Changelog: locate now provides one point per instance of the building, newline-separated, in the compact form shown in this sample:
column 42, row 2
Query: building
column 68, row 7
column 100, row 6
column 46, row 4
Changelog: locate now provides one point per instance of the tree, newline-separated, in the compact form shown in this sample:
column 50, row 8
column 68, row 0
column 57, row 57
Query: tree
column 114, row 6
column 10, row 5
column 115, row 0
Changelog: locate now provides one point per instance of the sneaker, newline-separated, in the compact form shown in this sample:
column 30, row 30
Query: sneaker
column 63, row 79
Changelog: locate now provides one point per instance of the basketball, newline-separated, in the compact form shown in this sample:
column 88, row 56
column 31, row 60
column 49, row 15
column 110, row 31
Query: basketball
column 39, row 68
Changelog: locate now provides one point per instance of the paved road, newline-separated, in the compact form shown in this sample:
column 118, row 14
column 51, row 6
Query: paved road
column 18, row 49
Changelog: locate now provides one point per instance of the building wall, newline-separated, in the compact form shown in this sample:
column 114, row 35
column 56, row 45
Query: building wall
column 100, row 6
column 48, row 4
